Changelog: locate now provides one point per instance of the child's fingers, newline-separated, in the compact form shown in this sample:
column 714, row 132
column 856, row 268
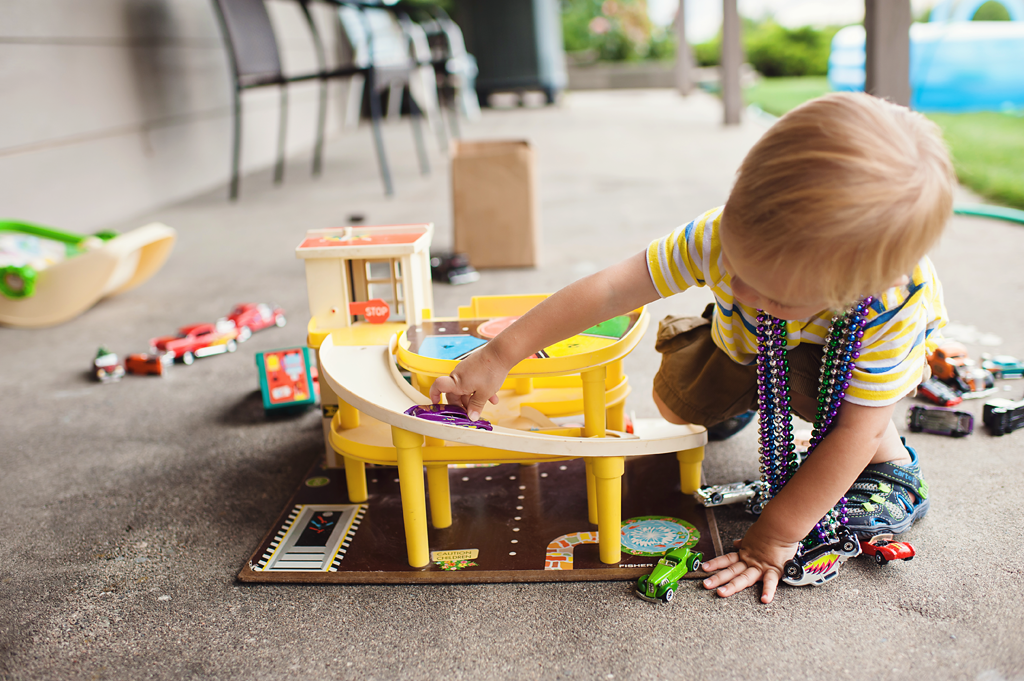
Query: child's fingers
column 740, row 582
column 725, row 574
column 771, row 583
column 443, row 384
column 720, row 562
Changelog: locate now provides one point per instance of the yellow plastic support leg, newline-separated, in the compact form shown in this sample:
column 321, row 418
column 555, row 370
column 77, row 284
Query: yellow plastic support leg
column 593, row 402
column 440, row 495
column 593, row 426
column 409, row 448
column 689, row 469
column 608, row 471
column 355, row 479
column 591, row 491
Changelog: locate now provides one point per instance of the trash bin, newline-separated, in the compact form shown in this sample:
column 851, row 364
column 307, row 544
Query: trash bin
column 517, row 45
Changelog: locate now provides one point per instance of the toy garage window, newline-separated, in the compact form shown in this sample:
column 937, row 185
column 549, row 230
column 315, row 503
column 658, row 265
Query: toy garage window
column 380, row 279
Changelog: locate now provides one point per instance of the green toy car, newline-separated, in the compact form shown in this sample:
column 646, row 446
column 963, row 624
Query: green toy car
column 663, row 582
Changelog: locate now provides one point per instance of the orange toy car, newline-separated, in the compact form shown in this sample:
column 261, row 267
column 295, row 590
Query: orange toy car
column 143, row 364
column 945, row 360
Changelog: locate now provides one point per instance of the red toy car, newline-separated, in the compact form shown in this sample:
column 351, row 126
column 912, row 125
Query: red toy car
column 252, row 317
column 938, row 392
column 198, row 340
column 142, row 364
column 884, row 549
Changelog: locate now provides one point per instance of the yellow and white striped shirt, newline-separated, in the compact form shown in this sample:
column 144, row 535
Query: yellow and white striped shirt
column 901, row 327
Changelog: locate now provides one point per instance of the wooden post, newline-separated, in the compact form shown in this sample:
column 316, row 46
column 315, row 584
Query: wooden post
column 732, row 57
column 684, row 60
column 887, row 49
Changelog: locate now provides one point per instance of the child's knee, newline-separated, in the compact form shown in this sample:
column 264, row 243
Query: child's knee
column 665, row 412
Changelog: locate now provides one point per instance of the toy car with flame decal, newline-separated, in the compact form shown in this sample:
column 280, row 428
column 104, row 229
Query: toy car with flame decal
column 820, row 563
column 663, row 582
column 882, row 548
column 451, row 414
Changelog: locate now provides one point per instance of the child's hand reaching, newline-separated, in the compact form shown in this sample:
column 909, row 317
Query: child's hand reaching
column 759, row 557
column 474, row 382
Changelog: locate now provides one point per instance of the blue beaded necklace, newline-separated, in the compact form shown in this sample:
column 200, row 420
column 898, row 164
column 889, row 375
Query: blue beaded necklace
column 779, row 458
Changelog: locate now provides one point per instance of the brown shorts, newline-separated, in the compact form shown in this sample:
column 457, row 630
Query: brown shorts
column 703, row 385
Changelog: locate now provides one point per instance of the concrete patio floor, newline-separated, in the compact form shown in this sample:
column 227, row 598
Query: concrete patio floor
column 128, row 509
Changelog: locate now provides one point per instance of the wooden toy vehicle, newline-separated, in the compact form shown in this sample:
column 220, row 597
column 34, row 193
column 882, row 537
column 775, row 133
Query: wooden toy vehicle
column 106, row 367
column 663, row 582
column 145, row 364
column 940, row 421
column 1003, row 366
column 1003, row 416
column 883, row 549
column 819, row 564
column 252, row 317
column 198, row 340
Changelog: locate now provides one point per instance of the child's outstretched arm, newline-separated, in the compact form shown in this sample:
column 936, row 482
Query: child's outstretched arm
column 615, row 290
column 820, row 482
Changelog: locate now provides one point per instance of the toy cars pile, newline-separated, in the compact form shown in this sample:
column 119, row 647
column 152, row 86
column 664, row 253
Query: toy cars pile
column 956, row 377
column 190, row 343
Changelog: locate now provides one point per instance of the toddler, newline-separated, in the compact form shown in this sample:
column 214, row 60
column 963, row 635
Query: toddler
column 835, row 206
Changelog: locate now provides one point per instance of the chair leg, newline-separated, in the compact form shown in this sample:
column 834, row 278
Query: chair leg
column 417, row 131
column 281, row 133
column 236, row 145
column 321, row 123
column 378, row 135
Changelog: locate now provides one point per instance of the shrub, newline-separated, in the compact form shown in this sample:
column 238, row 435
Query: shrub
column 775, row 50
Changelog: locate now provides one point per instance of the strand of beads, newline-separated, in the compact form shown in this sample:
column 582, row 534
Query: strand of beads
column 778, row 454
column 775, row 439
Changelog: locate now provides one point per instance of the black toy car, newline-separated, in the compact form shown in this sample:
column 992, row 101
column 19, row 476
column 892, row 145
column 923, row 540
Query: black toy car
column 452, row 268
column 1003, row 416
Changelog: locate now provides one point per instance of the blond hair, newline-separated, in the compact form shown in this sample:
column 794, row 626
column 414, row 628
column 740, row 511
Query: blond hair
column 848, row 189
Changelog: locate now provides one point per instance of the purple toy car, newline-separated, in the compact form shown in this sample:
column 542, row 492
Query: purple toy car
column 940, row 421
column 447, row 413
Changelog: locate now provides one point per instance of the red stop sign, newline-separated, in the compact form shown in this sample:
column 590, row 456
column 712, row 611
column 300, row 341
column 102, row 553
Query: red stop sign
column 375, row 311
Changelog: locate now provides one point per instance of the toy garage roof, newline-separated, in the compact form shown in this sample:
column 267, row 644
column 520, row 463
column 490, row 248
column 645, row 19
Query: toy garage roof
column 365, row 242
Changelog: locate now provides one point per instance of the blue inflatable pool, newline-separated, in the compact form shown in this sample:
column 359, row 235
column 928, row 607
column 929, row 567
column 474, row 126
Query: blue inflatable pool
column 956, row 65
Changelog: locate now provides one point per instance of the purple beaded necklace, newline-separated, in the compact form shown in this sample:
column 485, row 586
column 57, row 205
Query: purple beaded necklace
column 779, row 459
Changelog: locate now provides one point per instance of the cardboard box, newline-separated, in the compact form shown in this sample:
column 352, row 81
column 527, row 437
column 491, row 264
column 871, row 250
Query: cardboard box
column 494, row 203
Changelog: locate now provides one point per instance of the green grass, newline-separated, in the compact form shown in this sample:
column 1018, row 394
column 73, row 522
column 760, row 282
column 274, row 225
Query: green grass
column 779, row 95
column 987, row 147
column 988, row 152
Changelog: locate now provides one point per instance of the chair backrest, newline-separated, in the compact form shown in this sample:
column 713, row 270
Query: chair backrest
column 251, row 41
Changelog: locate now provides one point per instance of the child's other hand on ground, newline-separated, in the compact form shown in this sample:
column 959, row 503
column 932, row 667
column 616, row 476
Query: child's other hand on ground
column 758, row 558
column 474, row 382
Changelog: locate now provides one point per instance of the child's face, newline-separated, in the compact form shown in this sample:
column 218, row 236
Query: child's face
column 780, row 294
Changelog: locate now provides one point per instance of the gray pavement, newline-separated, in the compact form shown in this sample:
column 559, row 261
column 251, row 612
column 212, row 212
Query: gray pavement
column 128, row 509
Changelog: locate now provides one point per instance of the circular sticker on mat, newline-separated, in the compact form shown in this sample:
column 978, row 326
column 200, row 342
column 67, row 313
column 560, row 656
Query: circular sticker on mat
column 655, row 535
column 317, row 482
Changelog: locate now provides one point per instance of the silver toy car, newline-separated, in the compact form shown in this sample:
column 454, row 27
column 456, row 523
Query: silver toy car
column 733, row 493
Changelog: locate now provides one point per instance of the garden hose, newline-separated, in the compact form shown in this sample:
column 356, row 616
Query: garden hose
column 986, row 211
